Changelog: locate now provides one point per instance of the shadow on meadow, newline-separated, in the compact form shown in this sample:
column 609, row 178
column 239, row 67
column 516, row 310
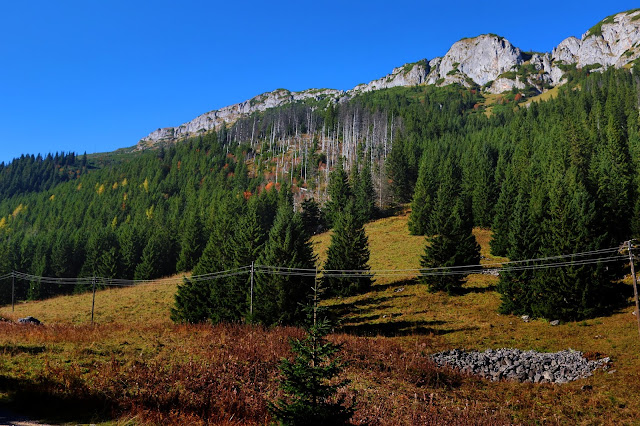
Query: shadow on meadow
column 401, row 328
column 53, row 402
column 477, row 289
column 21, row 349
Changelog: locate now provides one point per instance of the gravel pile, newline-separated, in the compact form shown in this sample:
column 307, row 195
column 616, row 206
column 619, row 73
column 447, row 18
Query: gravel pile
column 522, row 366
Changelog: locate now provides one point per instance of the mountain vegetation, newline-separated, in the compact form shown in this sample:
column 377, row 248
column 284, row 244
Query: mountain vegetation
column 556, row 177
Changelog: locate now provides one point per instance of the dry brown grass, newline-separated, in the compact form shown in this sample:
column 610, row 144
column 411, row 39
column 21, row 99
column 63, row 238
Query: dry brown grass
column 225, row 374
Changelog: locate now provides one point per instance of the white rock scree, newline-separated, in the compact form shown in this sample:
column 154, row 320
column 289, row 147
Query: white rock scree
column 522, row 366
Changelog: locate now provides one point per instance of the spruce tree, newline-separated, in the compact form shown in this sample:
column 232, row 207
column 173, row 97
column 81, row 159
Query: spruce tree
column 501, row 221
column 131, row 245
column 308, row 382
column 157, row 257
column 364, row 194
column 340, row 193
column 349, row 250
column 422, row 203
column 312, row 217
column 454, row 243
column 279, row 297
column 523, row 242
column 192, row 243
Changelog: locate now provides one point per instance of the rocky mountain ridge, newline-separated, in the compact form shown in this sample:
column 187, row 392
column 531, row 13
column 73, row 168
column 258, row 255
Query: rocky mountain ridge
column 488, row 61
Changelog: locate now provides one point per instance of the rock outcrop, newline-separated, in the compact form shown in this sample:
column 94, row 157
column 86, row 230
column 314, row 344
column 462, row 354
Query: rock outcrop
column 614, row 41
column 213, row 119
column 481, row 59
column 407, row 75
column 487, row 61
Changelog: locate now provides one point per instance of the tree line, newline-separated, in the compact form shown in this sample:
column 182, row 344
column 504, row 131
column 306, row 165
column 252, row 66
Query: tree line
column 554, row 177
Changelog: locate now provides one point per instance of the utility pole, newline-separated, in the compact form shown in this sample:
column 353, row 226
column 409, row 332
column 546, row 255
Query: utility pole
column 93, row 303
column 635, row 284
column 315, row 298
column 13, row 292
column 251, row 302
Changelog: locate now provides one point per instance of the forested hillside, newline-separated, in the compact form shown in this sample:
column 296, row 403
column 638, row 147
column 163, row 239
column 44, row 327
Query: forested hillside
column 552, row 177
column 34, row 174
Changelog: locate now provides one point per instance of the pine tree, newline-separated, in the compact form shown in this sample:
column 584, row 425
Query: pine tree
column 523, row 242
column 130, row 243
column 192, row 303
column 312, row 218
column 310, row 395
column 192, row 243
column 108, row 258
column 218, row 301
column 454, row 243
column 364, row 194
column 349, row 250
column 501, row 221
column 157, row 257
column 422, row 203
column 340, row 193
column 279, row 298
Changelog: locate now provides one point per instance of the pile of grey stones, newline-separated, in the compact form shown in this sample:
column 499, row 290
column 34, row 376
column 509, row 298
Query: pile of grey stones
column 522, row 366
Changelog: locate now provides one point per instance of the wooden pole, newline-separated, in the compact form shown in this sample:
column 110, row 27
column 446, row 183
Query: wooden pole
column 635, row 285
column 251, row 303
column 93, row 302
column 315, row 298
column 13, row 292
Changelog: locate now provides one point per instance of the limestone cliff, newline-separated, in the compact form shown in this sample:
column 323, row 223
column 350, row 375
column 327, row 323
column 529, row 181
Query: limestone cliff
column 229, row 114
column 488, row 61
column 614, row 41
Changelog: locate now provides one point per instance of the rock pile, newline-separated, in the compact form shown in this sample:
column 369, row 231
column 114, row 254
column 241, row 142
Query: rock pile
column 29, row 320
column 522, row 366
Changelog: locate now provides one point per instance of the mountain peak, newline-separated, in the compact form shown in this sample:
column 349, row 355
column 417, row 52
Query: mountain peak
column 487, row 60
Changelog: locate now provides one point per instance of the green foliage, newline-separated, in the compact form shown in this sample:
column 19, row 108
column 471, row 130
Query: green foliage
column 364, row 194
column 454, row 244
column 31, row 173
column 309, row 382
column 312, row 217
column 339, row 191
column 596, row 30
column 406, row 69
column 192, row 242
column 279, row 297
column 571, row 191
column 349, row 250
column 158, row 257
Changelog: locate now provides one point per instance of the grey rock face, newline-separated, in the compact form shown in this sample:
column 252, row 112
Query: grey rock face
column 213, row 119
column 616, row 45
column 407, row 75
column 482, row 59
column 505, row 84
column 522, row 366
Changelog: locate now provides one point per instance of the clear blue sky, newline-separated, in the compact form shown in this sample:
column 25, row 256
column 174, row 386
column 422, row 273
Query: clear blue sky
column 97, row 75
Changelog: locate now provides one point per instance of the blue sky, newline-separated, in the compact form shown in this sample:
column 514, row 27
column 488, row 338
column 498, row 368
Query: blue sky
column 98, row 75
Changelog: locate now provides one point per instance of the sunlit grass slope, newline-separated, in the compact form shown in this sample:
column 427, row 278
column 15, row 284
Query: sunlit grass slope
column 400, row 322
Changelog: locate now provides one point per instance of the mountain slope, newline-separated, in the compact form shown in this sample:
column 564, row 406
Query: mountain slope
column 487, row 60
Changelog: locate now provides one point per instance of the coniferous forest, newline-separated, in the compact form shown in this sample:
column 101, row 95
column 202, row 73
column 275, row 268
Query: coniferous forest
column 550, row 177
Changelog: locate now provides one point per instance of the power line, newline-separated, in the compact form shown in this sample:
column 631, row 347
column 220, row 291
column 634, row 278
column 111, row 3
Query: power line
column 577, row 259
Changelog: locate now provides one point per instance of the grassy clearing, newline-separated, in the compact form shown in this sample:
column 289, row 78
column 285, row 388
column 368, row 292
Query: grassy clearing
column 136, row 366
column 549, row 94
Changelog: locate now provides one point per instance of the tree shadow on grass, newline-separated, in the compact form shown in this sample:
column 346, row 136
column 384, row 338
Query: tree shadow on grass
column 401, row 328
column 46, row 401
column 399, row 284
column 478, row 290
column 363, row 306
column 21, row 349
